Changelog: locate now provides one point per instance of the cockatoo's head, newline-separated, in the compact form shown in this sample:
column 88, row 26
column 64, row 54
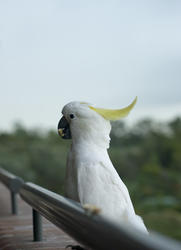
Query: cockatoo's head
column 83, row 121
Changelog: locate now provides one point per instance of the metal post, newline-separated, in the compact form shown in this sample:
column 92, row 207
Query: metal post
column 14, row 206
column 37, row 226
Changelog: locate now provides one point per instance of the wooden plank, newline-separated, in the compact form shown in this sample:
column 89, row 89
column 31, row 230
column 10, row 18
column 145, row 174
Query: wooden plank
column 16, row 230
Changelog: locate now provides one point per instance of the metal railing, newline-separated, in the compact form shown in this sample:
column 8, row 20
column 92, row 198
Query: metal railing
column 13, row 183
column 89, row 229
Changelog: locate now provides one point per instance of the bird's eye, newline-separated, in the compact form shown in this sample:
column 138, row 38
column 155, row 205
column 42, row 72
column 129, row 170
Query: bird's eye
column 72, row 116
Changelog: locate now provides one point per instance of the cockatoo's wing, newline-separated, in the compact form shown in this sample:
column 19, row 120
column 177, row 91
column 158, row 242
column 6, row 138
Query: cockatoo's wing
column 100, row 185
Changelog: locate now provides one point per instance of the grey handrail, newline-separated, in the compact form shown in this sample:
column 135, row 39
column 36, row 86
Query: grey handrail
column 91, row 230
column 13, row 183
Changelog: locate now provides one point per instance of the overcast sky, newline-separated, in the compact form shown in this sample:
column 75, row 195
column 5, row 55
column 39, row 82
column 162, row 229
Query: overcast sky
column 102, row 52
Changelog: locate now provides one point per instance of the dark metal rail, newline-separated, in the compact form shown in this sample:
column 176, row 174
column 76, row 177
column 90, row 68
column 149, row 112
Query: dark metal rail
column 13, row 183
column 91, row 230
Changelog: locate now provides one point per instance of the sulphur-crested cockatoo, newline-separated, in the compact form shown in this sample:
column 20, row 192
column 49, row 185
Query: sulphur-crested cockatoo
column 90, row 176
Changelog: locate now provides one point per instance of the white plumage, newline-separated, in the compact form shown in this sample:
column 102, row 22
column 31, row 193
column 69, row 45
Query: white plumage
column 90, row 175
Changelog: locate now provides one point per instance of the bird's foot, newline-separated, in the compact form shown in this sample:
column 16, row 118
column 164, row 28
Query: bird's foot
column 76, row 247
column 91, row 209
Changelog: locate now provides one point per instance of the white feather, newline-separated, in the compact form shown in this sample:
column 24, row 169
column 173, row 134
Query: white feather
column 91, row 177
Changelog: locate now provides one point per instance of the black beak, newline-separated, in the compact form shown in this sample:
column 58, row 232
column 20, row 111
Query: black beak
column 64, row 128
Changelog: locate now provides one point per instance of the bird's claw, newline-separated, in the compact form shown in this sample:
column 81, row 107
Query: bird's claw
column 91, row 209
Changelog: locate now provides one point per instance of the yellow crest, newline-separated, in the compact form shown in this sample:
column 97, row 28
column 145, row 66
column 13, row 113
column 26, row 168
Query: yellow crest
column 114, row 114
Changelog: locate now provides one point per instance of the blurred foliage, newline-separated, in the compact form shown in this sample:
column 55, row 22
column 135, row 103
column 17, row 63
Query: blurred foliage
column 147, row 156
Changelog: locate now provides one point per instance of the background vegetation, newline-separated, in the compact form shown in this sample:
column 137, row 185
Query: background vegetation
column 146, row 156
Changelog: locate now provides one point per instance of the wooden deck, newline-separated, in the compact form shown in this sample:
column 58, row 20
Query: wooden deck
column 16, row 230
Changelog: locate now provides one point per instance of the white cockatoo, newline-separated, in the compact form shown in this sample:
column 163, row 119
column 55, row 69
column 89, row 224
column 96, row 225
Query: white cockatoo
column 91, row 178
